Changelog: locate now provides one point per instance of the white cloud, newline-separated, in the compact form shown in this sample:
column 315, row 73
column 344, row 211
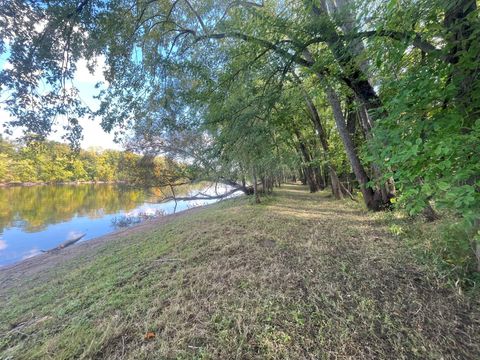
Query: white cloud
column 7, row 65
column 74, row 234
column 94, row 136
column 3, row 244
column 31, row 253
column 83, row 74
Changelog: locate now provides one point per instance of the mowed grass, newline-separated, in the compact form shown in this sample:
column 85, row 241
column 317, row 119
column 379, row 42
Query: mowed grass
column 298, row 277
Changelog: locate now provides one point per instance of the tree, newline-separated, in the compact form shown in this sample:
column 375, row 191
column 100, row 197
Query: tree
column 407, row 71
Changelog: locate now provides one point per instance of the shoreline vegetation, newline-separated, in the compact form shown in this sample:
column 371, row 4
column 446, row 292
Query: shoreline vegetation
column 29, row 162
column 42, row 183
column 299, row 275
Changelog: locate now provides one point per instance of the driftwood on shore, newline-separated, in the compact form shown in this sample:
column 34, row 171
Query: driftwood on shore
column 64, row 244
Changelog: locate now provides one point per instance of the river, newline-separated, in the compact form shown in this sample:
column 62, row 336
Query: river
column 39, row 218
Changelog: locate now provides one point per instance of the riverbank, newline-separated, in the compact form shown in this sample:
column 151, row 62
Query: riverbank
column 298, row 276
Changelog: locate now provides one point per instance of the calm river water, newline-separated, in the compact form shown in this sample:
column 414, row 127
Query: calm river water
column 41, row 217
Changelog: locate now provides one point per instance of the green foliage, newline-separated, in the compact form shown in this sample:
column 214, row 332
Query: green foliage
column 427, row 143
column 24, row 171
column 5, row 165
column 445, row 245
column 52, row 162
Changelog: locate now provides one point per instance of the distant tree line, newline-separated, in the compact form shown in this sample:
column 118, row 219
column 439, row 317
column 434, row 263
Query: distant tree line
column 32, row 161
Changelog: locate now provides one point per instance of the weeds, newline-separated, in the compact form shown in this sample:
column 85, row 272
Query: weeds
column 444, row 245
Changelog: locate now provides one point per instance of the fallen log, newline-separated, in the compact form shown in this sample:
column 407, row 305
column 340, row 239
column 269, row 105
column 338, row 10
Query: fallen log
column 64, row 244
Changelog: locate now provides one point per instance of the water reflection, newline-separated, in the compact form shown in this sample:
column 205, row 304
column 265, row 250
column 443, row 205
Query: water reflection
column 40, row 217
column 33, row 208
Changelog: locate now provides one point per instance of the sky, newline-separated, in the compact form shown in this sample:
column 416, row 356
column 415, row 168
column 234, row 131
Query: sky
column 93, row 134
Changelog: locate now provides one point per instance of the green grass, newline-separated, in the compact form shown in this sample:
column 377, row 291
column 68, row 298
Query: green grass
column 298, row 276
column 444, row 245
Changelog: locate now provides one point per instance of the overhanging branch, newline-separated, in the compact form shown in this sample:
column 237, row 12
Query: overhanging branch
column 415, row 39
column 262, row 42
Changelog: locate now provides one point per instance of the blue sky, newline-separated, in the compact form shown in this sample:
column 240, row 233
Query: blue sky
column 94, row 136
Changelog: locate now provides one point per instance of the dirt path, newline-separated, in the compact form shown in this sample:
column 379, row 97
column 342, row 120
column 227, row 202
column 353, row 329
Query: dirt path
column 300, row 276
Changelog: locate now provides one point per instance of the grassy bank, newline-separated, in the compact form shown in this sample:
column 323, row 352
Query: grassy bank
column 299, row 276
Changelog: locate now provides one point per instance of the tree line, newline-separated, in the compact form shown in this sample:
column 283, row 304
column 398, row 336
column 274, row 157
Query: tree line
column 34, row 161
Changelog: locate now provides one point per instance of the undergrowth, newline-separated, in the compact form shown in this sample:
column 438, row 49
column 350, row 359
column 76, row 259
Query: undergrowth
column 445, row 245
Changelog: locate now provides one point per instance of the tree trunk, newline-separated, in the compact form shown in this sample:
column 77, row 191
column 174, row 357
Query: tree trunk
column 255, row 186
column 314, row 116
column 307, row 168
column 335, row 183
column 303, row 176
column 460, row 38
column 355, row 76
column 476, row 242
column 352, row 75
column 271, row 183
column 364, row 120
column 319, row 177
column 430, row 214
column 372, row 200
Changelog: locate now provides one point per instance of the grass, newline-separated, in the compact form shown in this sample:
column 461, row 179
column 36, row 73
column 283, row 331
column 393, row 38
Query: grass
column 444, row 245
column 298, row 277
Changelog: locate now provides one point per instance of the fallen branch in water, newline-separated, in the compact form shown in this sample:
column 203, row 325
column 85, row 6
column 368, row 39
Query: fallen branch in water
column 201, row 196
column 64, row 244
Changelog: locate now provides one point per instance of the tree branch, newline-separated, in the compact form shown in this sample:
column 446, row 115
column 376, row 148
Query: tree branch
column 197, row 15
column 416, row 40
column 264, row 43
column 202, row 196
column 239, row 3
column 78, row 9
